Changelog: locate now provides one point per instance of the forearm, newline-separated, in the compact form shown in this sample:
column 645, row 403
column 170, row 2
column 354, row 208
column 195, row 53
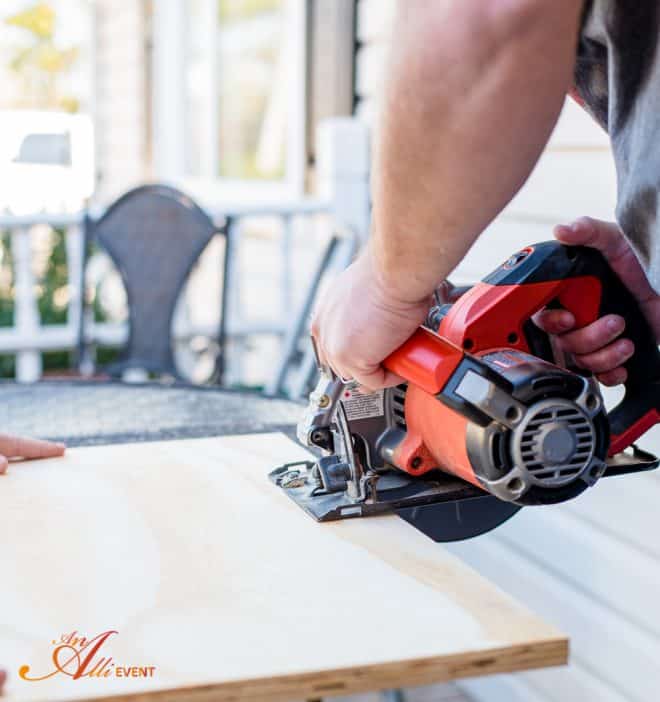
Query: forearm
column 475, row 88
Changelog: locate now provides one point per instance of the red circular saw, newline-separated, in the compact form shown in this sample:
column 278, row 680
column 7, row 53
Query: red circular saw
column 489, row 420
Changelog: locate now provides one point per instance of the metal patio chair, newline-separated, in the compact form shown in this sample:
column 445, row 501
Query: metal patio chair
column 154, row 234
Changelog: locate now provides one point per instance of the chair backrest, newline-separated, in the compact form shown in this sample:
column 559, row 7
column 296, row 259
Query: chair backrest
column 154, row 234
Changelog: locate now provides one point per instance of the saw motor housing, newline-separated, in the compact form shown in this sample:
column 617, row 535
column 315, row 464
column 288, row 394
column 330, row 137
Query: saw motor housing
column 539, row 435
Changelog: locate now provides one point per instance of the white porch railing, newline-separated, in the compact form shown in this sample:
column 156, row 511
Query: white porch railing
column 343, row 193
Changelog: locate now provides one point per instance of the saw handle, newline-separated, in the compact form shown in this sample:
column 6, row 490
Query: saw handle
column 591, row 275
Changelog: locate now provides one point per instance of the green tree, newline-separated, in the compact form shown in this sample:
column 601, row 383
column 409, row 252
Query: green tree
column 40, row 64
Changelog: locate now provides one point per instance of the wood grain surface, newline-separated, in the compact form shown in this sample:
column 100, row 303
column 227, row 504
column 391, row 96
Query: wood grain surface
column 219, row 585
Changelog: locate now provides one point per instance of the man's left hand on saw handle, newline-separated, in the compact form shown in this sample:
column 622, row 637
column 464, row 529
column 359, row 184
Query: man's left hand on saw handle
column 15, row 447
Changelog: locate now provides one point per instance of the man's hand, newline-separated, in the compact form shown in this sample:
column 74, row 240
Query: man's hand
column 12, row 447
column 601, row 347
column 359, row 322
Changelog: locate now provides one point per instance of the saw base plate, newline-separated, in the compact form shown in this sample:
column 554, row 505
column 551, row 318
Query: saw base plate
column 443, row 507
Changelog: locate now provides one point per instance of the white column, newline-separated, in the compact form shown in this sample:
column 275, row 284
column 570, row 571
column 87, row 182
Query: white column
column 343, row 167
column 296, row 51
column 26, row 312
column 211, row 116
column 169, row 89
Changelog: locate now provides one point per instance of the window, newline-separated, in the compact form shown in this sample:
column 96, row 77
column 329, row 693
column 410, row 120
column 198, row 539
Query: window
column 229, row 96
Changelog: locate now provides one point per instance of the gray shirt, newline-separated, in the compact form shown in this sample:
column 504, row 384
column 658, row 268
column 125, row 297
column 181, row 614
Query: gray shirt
column 617, row 77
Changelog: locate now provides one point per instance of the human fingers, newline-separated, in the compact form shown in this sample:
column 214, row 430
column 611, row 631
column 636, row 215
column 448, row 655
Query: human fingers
column 588, row 340
column 554, row 321
column 4, row 464
column 607, row 359
column 317, row 340
column 19, row 447
column 594, row 336
column 377, row 379
column 613, row 377
column 596, row 233
column 608, row 238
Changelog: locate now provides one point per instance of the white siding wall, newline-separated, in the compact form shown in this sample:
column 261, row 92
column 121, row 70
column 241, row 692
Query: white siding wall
column 591, row 566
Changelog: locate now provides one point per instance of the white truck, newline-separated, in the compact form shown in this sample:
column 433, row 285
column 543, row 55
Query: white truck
column 46, row 161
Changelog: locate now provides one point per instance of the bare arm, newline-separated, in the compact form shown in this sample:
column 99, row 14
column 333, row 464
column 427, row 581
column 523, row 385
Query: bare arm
column 474, row 90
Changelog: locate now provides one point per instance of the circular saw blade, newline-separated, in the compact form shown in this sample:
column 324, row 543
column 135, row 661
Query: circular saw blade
column 461, row 519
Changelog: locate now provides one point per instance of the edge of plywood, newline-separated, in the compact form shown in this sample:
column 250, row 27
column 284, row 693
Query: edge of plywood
column 382, row 676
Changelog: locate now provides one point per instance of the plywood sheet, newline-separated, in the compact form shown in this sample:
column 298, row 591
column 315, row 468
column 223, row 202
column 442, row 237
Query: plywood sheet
column 220, row 588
